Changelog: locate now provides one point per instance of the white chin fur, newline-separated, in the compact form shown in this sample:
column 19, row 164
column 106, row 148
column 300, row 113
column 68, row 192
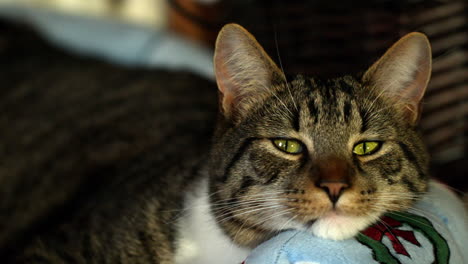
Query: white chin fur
column 339, row 227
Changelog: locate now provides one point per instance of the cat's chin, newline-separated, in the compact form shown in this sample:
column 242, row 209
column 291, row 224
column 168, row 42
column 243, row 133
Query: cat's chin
column 338, row 226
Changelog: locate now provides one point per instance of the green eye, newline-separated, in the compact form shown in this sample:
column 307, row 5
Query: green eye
column 366, row 148
column 290, row 146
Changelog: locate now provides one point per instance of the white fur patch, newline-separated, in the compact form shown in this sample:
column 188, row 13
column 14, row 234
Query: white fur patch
column 339, row 227
column 200, row 240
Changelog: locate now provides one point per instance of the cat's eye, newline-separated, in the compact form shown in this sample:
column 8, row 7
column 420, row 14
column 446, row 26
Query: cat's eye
column 366, row 147
column 290, row 146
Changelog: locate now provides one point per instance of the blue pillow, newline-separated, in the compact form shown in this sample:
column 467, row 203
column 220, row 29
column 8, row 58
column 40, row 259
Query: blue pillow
column 434, row 231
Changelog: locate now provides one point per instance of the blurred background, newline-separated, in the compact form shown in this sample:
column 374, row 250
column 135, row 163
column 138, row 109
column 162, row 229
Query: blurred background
column 316, row 37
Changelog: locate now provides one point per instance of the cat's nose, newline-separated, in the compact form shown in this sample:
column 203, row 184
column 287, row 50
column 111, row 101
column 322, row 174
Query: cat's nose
column 333, row 188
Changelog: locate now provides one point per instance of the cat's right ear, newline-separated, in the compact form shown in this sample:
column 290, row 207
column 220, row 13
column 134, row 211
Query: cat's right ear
column 244, row 72
column 402, row 74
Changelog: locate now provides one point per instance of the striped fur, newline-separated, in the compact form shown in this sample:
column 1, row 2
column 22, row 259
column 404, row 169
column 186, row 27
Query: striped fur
column 99, row 163
column 332, row 115
column 94, row 158
column 269, row 190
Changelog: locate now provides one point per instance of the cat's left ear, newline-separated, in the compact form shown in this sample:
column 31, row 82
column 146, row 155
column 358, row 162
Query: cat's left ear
column 244, row 71
column 403, row 73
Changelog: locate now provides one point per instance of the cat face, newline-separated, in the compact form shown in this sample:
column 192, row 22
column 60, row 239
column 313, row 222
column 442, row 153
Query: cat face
column 327, row 156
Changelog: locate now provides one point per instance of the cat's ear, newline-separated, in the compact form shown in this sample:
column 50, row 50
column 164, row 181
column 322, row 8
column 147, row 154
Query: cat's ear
column 403, row 73
column 244, row 72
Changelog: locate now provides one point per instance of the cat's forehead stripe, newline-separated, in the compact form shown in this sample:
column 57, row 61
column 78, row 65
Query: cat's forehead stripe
column 314, row 110
column 346, row 85
column 347, row 111
column 296, row 121
column 335, row 95
column 364, row 120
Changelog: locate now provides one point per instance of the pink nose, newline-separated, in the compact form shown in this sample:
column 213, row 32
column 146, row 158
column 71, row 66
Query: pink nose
column 333, row 189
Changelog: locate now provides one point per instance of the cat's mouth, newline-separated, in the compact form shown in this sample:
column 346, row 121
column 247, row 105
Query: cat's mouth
column 330, row 215
column 331, row 220
column 338, row 226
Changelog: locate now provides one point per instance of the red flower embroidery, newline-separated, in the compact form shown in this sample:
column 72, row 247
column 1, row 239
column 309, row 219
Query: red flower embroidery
column 388, row 228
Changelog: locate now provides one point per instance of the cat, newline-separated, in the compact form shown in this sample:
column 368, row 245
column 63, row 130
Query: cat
column 181, row 182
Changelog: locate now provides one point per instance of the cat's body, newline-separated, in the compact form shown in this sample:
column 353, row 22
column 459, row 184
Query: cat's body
column 121, row 166
column 89, row 144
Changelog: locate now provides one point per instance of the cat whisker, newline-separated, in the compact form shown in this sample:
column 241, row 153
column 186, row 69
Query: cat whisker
column 245, row 199
column 250, row 197
column 268, row 194
column 390, row 199
column 273, row 194
column 399, row 193
column 371, row 106
column 230, row 204
column 233, row 206
column 276, row 215
column 284, row 105
column 225, row 205
column 237, row 208
column 237, row 233
column 246, row 202
column 282, row 70
column 263, row 193
column 249, row 211
column 390, row 206
column 397, row 196
column 287, row 222
column 378, row 112
column 214, row 193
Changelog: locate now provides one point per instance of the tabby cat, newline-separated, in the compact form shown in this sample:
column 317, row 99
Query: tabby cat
column 328, row 156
